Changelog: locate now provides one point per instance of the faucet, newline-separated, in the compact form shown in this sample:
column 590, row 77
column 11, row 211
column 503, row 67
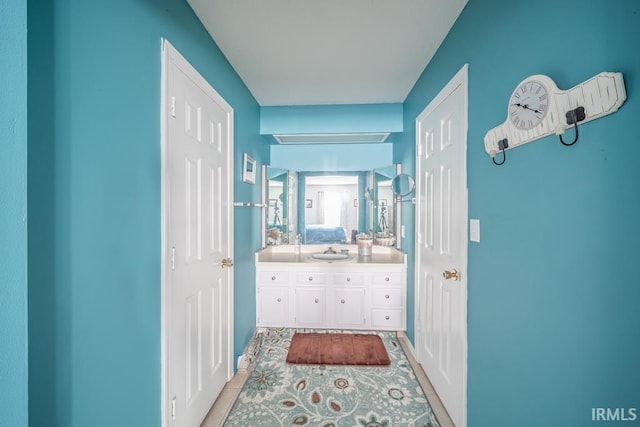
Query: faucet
column 329, row 251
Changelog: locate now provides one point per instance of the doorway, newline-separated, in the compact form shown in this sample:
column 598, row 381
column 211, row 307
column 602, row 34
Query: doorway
column 197, row 242
column 441, row 245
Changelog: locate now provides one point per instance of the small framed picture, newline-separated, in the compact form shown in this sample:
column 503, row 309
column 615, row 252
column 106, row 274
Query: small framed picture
column 308, row 203
column 355, row 203
column 249, row 169
column 382, row 202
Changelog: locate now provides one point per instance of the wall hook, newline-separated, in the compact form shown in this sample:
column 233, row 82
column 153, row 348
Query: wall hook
column 573, row 117
column 503, row 144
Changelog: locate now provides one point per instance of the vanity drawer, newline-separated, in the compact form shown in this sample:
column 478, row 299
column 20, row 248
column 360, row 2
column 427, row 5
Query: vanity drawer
column 387, row 297
column 387, row 319
column 387, row 278
column 279, row 277
column 348, row 278
column 311, row 278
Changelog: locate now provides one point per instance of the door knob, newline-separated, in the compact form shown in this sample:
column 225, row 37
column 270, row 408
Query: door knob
column 451, row 274
column 226, row 262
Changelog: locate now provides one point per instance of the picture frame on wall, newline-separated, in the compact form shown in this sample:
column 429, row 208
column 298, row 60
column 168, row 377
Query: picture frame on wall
column 249, row 169
column 308, row 203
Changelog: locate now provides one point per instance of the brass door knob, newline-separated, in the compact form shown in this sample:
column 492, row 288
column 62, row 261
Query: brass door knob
column 226, row 262
column 451, row 274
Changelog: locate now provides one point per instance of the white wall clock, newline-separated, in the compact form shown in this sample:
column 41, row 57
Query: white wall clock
column 537, row 108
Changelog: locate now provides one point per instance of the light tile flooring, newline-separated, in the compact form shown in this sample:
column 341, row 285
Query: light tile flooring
column 222, row 405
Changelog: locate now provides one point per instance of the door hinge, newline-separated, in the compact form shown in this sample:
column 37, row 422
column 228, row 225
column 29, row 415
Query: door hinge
column 173, row 409
column 172, row 106
column 173, row 258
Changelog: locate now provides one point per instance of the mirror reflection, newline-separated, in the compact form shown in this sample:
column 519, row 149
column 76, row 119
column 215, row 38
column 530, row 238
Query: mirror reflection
column 384, row 207
column 403, row 184
column 330, row 207
column 280, row 205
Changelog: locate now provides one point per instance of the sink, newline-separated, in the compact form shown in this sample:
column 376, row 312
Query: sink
column 329, row 257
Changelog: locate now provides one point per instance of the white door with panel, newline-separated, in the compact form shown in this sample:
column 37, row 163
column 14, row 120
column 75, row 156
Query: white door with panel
column 198, row 241
column 441, row 245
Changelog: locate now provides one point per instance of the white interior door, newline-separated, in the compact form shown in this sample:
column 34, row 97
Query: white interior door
column 198, row 237
column 441, row 245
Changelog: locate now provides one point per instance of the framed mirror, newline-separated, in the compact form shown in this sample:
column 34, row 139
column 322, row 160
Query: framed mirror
column 330, row 207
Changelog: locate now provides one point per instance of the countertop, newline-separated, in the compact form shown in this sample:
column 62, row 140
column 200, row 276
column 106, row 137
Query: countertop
column 285, row 254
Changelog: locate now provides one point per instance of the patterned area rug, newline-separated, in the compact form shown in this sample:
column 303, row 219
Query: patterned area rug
column 280, row 394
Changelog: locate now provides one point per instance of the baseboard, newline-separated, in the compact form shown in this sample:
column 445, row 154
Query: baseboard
column 402, row 335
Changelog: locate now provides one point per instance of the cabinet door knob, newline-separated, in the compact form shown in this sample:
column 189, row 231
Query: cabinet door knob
column 386, row 279
column 386, row 296
column 342, row 301
column 310, row 278
column 316, row 300
column 273, row 277
column 279, row 300
column 386, row 317
column 348, row 279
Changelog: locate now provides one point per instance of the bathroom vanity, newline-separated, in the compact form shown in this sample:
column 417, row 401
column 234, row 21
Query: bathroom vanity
column 298, row 290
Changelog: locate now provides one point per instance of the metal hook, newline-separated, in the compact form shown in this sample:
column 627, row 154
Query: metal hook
column 503, row 144
column 504, row 159
column 573, row 117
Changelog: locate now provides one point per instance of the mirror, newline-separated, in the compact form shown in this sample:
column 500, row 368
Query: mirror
column 333, row 211
column 384, row 208
column 279, row 194
column 330, row 207
column 402, row 185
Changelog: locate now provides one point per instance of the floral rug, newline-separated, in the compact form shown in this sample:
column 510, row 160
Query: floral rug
column 280, row 394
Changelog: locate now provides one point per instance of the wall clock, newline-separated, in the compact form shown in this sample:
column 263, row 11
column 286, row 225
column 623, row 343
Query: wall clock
column 537, row 108
column 528, row 104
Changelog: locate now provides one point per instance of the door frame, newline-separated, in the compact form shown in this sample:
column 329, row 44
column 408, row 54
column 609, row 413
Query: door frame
column 169, row 53
column 461, row 78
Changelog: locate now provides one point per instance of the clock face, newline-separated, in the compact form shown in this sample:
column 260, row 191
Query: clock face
column 528, row 105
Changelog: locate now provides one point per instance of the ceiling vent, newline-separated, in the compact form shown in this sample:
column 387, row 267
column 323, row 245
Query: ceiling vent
column 331, row 138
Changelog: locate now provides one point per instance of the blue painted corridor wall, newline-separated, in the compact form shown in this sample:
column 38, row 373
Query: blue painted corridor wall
column 94, row 195
column 553, row 319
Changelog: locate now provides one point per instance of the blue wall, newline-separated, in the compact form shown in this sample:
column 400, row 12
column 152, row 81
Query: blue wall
column 331, row 118
column 94, row 171
column 553, row 319
column 13, row 214
column 334, row 157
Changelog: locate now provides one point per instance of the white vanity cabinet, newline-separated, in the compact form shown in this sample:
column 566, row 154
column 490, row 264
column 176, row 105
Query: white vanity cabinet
column 350, row 295
column 309, row 297
column 388, row 302
column 348, row 307
column 272, row 297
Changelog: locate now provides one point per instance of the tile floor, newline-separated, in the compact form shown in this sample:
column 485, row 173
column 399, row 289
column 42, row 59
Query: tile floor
column 223, row 404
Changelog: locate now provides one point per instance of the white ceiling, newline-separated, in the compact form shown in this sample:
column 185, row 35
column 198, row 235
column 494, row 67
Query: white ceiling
column 310, row 52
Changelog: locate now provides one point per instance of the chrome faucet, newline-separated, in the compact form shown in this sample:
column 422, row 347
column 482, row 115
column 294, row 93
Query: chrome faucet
column 329, row 251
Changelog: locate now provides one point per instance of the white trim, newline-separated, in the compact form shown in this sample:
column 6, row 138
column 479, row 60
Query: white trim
column 169, row 53
column 460, row 79
column 164, row 264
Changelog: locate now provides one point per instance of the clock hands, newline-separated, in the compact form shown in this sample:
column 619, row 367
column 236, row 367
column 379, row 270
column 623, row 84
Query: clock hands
column 526, row 107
